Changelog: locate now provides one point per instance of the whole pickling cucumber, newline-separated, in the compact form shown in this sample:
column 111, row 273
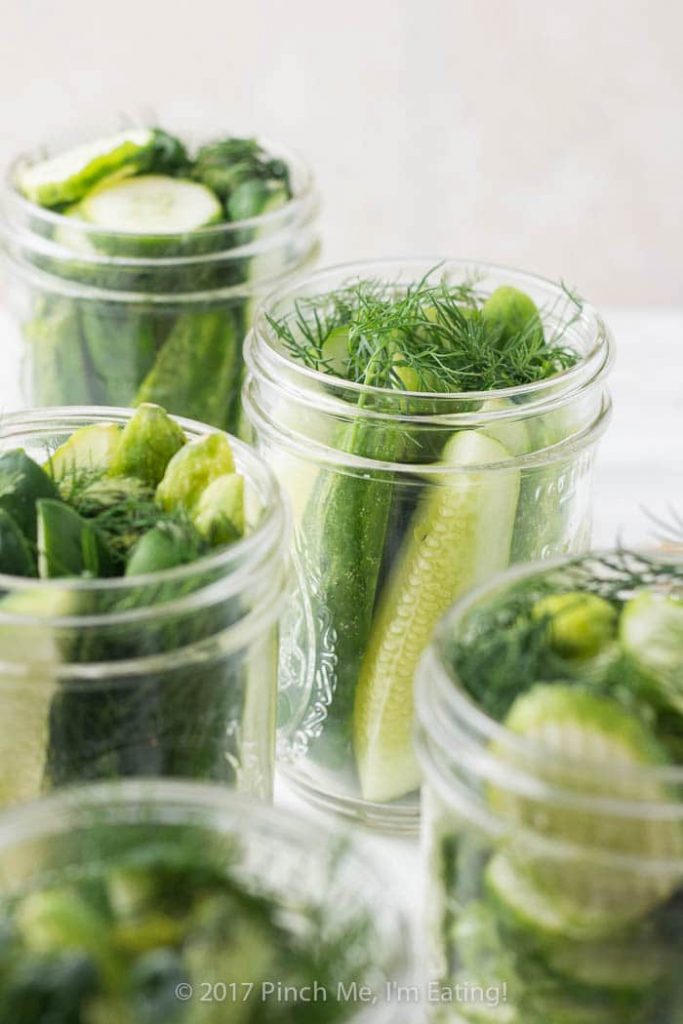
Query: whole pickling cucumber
column 344, row 532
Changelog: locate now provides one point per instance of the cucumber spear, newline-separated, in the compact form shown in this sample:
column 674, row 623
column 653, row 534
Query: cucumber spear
column 460, row 535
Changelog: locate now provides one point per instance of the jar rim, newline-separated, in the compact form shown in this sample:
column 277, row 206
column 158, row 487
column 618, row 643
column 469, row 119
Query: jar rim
column 588, row 369
column 246, row 553
column 437, row 684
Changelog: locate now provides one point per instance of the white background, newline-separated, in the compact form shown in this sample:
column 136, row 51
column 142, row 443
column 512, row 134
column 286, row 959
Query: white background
column 541, row 133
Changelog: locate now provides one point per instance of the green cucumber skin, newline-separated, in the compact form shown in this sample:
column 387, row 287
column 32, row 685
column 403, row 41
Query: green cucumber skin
column 540, row 995
column 16, row 557
column 176, row 723
column 343, row 538
column 198, row 370
column 59, row 367
column 100, row 353
column 122, row 344
column 22, row 484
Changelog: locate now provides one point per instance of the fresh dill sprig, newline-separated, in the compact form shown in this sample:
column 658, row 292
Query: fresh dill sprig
column 618, row 576
column 668, row 529
column 121, row 508
column 428, row 337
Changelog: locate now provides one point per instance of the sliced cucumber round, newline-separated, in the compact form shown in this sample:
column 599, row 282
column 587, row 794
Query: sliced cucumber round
column 651, row 632
column 152, row 204
column 67, row 177
column 89, row 448
column 623, row 966
column 572, row 722
column 551, row 914
column 575, row 889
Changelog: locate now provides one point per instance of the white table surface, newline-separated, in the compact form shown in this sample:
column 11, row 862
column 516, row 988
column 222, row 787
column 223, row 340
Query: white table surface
column 640, row 467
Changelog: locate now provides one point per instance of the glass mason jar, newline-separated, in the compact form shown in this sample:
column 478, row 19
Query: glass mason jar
column 173, row 673
column 184, row 896
column 115, row 318
column 554, row 877
column 389, row 532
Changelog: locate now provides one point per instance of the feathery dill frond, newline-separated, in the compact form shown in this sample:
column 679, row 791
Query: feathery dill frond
column 429, row 337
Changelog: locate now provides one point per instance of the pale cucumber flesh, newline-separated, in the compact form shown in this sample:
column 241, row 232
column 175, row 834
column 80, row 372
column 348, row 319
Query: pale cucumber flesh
column 66, row 177
column 578, row 894
column 152, row 204
column 88, row 448
column 26, row 693
column 461, row 535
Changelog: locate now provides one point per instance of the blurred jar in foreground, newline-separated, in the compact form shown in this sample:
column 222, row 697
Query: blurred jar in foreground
column 176, row 902
column 551, row 739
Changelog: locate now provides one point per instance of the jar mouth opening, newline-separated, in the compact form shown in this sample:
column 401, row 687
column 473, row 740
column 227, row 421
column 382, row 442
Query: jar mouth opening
column 438, row 684
column 589, row 326
column 246, row 554
column 303, row 195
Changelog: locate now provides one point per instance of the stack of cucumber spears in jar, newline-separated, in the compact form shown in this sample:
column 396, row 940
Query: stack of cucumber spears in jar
column 431, row 425
column 135, row 261
column 425, row 426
